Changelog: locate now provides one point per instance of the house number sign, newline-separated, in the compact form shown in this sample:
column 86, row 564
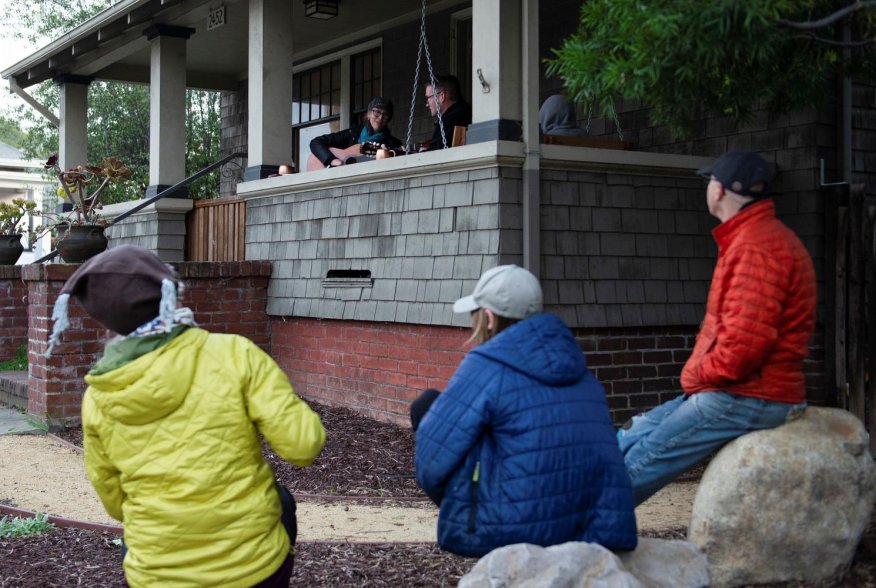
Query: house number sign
column 216, row 18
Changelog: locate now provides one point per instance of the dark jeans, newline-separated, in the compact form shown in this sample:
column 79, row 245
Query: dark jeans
column 280, row 578
column 420, row 406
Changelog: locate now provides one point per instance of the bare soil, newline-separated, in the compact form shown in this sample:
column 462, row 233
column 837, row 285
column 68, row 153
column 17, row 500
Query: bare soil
column 366, row 465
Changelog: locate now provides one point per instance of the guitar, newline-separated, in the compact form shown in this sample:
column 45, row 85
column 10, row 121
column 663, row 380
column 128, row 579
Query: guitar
column 369, row 149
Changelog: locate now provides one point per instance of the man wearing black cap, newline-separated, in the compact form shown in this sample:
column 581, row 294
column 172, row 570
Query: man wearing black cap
column 746, row 369
column 375, row 130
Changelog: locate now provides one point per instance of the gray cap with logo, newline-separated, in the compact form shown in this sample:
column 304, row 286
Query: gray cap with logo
column 508, row 290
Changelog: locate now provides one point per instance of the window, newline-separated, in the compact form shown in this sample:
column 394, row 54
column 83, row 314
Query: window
column 365, row 82
column 332, row 93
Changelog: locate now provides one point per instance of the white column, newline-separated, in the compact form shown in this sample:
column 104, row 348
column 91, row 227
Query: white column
column 497, row 53
column 167, row 107
column 73, row 133
column 270, row 87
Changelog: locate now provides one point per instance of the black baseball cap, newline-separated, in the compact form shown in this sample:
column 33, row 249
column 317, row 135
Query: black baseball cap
column 738, row 171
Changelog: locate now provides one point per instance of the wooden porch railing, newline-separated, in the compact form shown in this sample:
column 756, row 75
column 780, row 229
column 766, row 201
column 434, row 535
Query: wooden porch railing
column 215, row 230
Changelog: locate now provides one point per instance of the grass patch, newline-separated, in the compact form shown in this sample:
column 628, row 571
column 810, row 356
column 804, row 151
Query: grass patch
column 17, row 363
column 19, row 527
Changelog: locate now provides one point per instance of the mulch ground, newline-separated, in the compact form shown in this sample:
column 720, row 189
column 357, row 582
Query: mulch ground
column 362, row 458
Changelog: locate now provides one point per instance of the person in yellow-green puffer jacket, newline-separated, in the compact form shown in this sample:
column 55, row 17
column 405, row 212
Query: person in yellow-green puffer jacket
column 171, row 421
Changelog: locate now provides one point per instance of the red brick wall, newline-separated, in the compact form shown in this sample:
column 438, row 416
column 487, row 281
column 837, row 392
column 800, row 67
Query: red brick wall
column 226, row 297
column 229, row 297
column 55, row 383
column 376, row 369
column 13, row 311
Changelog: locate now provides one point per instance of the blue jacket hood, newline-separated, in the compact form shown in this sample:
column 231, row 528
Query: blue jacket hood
column 542, row 347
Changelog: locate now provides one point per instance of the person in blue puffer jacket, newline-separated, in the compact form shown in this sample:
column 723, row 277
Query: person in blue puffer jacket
column 520, row 447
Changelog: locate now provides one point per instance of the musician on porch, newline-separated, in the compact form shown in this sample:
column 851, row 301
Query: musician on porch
column 446, row 97
column 375, row 130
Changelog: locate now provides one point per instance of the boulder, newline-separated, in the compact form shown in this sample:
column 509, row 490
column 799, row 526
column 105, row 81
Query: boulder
column 655, row 563
column 786, row 504
column 570, row 565
column 660, row 563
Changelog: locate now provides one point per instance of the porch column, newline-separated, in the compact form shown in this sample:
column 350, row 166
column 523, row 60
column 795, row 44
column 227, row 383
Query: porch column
column 73, row 132
column 167, row 108
column 496, row 53
column 270, row 87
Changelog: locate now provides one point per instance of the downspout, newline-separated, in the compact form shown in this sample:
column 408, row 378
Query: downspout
column 846, row 112
column 531, row 189
column 48, row 114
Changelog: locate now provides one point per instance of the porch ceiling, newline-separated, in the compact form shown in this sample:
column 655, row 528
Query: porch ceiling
column 112, row 45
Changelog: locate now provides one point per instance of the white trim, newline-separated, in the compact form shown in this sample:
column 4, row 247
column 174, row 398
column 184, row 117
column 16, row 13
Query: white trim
column 476, row 156
column 178, row 205
column 338, row 55
column 464, row 158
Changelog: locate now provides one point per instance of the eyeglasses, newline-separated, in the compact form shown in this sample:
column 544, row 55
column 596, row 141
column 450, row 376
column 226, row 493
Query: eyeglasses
column 379, row 113
column 430, row 96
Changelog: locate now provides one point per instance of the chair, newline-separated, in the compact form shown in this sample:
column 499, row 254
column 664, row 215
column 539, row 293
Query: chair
column 458, row 136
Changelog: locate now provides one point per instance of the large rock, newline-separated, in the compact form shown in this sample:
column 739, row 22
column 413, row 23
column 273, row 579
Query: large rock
column 570, row 565
column 788, row 503
column 659, row 563
column 654, row 564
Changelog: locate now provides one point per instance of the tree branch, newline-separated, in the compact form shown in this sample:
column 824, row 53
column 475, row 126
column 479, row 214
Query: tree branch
column 847, row 44
column 829, row 19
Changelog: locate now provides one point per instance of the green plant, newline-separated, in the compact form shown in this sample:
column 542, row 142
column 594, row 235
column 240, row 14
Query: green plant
column 77, row 186
column 17, row 363
column 19, row 527
column 12, row 215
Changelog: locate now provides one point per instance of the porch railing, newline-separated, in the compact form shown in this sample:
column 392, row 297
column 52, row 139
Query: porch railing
column 163, row 194
column 215, row 230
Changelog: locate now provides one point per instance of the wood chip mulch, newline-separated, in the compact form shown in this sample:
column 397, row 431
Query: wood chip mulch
column 362, row 458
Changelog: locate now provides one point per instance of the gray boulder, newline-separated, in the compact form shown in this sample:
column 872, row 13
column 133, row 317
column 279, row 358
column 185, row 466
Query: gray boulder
column 786, row 504
column 655, row 563
column 659, row 563
column 570, row 565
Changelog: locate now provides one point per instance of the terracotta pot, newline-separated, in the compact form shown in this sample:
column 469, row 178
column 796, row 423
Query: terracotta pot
column 10, row 249
column 81, row 242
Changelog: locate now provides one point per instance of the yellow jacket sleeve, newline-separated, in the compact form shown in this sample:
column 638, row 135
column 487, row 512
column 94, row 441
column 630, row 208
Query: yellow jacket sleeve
column 103, row 475
column 294, row 431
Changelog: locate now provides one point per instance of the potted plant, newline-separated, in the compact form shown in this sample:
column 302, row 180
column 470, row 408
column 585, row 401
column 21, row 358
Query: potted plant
column 12, row 228
column 81, row 231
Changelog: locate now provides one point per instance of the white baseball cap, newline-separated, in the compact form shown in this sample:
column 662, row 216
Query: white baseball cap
column 508, row 290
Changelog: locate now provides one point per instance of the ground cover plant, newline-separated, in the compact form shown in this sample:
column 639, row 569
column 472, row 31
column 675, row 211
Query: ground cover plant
column 18, row 363
column 362, row 458
column 19, row 527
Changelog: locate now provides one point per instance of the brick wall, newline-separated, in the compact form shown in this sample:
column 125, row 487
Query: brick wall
column 13, row 311
column 229, row 297
column 376, row 369
column 55, row 384
column 226, row 297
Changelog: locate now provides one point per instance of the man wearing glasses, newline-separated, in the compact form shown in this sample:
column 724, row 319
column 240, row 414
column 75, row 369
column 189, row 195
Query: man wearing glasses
column 334, row 149
column 444, row 97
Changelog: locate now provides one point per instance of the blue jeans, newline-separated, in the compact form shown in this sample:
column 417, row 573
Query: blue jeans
column 668, row 440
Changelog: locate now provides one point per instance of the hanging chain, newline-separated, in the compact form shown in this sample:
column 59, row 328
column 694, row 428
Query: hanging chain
column 589, row 116
column 620, row 133
column 424, row 47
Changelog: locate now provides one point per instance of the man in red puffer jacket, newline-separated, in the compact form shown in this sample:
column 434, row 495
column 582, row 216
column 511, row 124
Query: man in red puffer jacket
column 746, row 369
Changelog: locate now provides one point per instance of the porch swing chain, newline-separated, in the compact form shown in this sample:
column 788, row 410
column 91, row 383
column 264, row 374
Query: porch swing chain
column 620, row 133
column 424, row 47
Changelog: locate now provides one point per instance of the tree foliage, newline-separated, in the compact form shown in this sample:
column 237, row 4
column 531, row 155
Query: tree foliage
column 118, row 113
column 687, row 57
